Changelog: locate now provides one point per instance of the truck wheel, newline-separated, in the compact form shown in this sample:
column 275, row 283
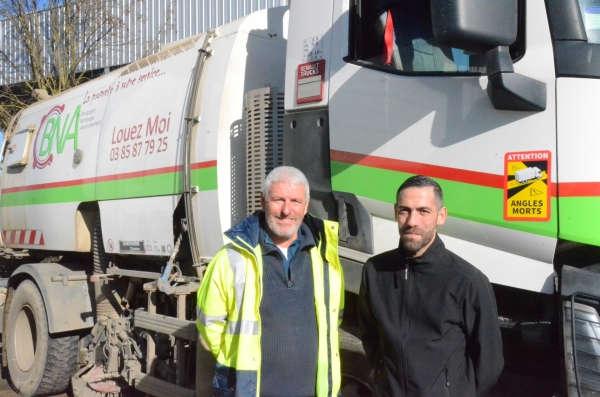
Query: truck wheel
column 356, row 370
column 37, row 362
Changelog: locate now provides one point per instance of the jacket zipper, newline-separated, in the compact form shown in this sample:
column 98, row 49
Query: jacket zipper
column 289, row 275
column 447, row 380
column 409, row 289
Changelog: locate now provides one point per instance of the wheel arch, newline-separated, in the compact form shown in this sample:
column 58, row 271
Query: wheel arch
column 36, row 362
column 60, row 294
column 84, row 225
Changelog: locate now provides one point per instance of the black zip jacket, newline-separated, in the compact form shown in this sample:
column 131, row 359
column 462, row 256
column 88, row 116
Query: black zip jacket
column 429, row 325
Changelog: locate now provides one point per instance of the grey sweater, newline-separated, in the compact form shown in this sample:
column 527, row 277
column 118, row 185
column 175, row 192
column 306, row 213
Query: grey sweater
column 289, row 338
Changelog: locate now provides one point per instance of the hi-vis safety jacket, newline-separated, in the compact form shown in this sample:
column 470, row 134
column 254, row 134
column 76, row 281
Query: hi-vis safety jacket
column 228, row 316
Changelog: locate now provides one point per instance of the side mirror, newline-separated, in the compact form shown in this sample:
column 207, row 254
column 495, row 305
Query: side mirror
column 509, row 90
column 489, row 27
column 475, row 25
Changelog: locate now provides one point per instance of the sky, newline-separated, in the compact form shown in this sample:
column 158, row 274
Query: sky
column 41, row 5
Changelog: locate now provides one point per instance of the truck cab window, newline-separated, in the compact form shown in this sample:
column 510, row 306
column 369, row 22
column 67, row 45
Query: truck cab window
column 398, row 35
column 575, row 28
column 590, row 10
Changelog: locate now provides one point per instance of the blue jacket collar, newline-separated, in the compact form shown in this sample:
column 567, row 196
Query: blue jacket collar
column 249, row 229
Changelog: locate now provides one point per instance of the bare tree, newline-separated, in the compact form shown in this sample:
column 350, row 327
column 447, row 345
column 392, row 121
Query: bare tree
column 56, row 44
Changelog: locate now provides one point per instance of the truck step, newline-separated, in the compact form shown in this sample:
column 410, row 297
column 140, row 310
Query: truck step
column 179, row 328
column 132, row 273
column 156, row 387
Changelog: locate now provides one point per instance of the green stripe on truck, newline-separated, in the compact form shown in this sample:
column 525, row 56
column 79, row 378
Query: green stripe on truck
column 580, row 219
column 463, row 200
column 146, row 186
column 84, row 192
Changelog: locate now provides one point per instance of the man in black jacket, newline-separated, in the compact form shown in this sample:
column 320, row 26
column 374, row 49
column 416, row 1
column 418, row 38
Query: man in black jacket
column 428, row 318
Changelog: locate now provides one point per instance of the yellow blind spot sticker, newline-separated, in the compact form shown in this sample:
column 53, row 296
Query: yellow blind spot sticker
column 526, row 188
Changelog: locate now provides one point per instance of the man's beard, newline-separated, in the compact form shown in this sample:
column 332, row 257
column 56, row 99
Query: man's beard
column 274, row 228
column 413, row 246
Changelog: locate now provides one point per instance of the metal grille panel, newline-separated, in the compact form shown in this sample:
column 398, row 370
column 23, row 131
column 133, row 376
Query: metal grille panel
column 264, row 140
column 146, row 26
column 584, row 355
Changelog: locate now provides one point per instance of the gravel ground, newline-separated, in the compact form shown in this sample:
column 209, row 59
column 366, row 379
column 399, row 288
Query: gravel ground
column 517, row 383
column 527, row 387
column 6, row 391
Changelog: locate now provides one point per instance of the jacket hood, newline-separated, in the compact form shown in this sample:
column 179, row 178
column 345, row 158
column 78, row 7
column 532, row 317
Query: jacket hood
column 248, row 230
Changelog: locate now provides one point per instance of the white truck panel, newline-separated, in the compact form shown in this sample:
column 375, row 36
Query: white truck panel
column 252, row 65
column 210, row 237
column 441, row 120
column 140, row 226
column 45, row 226
column 142, row 126
column 417, row 127
column 51, row 156
column 312, row 20
column 516, row 271
column 52, row 185
column 578, row 129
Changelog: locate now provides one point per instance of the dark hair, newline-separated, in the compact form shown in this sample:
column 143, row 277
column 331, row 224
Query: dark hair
column 423, row 181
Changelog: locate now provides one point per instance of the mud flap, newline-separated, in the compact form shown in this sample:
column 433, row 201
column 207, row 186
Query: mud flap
column 580, row 308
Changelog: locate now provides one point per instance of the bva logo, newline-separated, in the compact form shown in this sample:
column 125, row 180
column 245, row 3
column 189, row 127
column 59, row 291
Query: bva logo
column 55, row 132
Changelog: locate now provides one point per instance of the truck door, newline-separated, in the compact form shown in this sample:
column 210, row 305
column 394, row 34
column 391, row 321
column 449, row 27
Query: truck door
column 576, row 34
column 401, row 104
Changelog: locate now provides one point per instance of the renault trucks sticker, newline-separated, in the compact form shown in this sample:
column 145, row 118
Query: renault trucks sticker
column 526, row 189
column 310, row 82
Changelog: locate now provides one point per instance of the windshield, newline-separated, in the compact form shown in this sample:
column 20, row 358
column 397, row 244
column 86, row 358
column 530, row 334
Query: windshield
column 590, row 10
column 575, row 27
column 397, row 36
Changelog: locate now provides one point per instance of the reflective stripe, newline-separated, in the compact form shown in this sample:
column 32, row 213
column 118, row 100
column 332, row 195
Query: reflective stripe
column 207, row 320
column 328, row 319
column 236, row 261
column 242, row 327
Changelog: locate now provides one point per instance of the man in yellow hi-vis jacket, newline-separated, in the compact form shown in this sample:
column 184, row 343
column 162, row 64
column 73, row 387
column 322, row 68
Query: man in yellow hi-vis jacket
column 271, row 300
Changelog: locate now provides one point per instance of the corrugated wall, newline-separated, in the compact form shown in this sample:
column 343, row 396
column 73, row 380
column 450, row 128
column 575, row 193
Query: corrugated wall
column 147, row 25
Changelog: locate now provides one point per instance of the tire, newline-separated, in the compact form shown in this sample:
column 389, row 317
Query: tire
column 357, row 378
column 38, row 364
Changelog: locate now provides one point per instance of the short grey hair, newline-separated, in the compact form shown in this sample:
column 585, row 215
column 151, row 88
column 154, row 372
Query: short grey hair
column 285, row 174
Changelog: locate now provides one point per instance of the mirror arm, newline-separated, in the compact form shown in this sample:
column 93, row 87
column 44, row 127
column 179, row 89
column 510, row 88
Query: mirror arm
column 508, row 90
